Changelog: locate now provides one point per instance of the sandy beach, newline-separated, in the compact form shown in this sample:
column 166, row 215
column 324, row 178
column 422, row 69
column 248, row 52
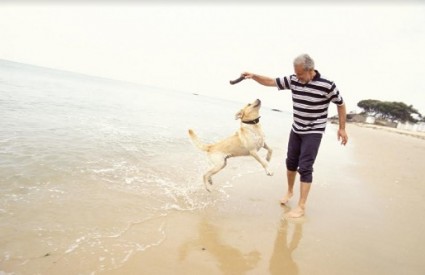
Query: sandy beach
column 364, row 216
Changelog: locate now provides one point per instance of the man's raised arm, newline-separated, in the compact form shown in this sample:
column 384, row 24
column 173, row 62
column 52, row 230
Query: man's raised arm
column 263, row 80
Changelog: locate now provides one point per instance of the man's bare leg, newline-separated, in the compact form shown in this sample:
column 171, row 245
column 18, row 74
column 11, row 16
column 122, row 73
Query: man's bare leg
column 300, row 209
column 290, row 175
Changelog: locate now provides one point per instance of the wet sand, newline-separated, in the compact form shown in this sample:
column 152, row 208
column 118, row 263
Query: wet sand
column 364, row 216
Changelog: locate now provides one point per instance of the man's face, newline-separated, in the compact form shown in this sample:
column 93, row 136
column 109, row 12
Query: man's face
column 303, row 75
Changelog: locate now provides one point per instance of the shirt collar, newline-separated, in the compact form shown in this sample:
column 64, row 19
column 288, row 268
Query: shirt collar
column 317, row 76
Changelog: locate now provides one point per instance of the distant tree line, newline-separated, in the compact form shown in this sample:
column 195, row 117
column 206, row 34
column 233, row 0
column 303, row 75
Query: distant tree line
column 394, row 111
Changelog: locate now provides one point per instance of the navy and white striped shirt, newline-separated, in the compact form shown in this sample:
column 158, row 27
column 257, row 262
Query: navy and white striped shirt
column 310, row 102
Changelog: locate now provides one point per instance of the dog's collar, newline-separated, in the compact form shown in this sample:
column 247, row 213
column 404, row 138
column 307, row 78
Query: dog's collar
column 255, row 121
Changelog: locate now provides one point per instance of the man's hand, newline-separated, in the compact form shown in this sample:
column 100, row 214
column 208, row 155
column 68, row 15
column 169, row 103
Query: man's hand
column 247, row 75
column 342, row 136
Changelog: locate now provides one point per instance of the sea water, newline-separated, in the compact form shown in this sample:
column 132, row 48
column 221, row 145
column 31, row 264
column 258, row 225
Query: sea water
column 91, row 167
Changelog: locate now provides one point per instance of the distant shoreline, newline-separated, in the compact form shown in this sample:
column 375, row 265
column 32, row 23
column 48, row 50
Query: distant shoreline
column 420, row 135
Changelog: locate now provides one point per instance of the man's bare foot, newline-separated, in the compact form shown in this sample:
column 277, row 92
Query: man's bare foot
column 296, row 213
column 286, row 198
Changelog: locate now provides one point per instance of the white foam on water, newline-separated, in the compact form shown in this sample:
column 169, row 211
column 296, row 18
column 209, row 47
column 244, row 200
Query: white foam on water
column 111, row 251
column 75, row 245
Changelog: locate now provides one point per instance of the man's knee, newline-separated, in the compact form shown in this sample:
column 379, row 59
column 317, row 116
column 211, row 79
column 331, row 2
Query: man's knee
column 291, row 164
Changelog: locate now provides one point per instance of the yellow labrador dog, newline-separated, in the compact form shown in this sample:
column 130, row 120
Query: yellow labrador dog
column 247, row 141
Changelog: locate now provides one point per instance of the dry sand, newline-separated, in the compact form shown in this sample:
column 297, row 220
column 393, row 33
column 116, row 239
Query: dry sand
column 364, row 216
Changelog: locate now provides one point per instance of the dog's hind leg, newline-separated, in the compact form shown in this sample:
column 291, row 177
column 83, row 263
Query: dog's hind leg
column 269, row 152
column 219, row 161
column 261, row 161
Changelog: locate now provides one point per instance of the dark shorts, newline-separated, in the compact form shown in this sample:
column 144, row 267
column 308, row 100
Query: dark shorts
column 302, row 152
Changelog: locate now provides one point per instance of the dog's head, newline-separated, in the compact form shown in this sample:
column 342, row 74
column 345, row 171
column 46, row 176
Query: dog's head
column 250, row 112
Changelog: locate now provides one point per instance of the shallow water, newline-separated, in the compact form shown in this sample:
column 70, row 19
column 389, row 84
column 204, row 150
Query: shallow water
column 89, row 167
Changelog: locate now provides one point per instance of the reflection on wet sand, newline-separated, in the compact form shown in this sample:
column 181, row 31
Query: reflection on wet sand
column 281, row 261
column 230, row 260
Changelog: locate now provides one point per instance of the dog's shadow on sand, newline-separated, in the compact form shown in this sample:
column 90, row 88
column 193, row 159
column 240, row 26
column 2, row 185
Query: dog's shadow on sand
column 230, row 259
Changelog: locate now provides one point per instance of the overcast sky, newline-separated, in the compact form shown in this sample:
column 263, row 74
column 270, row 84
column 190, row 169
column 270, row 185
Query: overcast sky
column 371, row 51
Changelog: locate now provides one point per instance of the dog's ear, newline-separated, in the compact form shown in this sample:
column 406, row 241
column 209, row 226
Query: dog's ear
column 239, row 114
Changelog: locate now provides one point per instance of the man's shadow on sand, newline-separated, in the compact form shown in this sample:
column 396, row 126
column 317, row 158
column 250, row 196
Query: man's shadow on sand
column 281, row 261
column 230, row 259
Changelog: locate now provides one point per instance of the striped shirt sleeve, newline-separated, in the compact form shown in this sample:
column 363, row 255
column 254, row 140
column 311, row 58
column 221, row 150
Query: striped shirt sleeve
column 335, row 96
column 283, row 83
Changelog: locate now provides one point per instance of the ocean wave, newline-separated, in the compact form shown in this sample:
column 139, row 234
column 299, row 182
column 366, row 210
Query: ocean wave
column 89, row 171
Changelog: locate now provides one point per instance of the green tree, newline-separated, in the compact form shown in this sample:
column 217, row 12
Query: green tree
column 369, row 106
column 390, row 110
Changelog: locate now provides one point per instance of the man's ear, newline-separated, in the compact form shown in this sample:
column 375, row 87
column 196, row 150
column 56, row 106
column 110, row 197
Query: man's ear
column 239, row 114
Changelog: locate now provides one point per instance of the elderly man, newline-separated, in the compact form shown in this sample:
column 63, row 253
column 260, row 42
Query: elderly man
column 311, row 96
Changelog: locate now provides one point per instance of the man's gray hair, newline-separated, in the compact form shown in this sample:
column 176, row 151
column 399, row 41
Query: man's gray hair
column 306, row 61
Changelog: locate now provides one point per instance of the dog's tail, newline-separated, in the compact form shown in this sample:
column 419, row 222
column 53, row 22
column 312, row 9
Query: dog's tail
column 197, row 142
